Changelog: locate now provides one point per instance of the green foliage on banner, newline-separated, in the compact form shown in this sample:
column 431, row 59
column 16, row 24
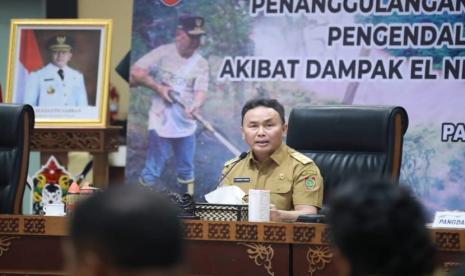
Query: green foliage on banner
column 227, row 31
column 416, row 163
column 457, row 169
column 425, row 160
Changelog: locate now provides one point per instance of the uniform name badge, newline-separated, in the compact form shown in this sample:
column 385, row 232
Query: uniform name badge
column 241, row 179
column 51, row 90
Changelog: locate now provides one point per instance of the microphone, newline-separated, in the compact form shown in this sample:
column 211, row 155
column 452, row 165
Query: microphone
column 239, row 158
column 84, row 172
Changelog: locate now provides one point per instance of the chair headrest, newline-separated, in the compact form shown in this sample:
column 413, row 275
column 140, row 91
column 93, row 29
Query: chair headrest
column 340, row 127
column 11, row 116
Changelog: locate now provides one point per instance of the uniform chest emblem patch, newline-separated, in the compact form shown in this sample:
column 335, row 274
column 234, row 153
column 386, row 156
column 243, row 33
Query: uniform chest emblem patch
column 50, row 90
column 310, row 183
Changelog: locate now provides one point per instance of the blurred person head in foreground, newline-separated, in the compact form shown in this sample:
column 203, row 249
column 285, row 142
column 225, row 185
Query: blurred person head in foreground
column 125, row 230
column 379, row 228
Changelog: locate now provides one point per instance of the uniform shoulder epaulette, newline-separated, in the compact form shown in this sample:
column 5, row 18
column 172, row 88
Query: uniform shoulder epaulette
column 229, row 162
column 301, row 158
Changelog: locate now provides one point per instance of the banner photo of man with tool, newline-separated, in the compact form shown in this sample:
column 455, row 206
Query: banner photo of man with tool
column 171, row 135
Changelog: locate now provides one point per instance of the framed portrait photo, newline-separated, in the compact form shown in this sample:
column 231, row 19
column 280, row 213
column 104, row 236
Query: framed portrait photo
column 61, row 68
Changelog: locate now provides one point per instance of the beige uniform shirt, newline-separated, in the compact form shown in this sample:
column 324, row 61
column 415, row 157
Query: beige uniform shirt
column 291, row 177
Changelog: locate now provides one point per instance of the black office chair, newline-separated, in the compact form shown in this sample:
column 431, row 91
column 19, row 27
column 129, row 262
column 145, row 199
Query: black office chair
column 348, row 142
column 17, row 124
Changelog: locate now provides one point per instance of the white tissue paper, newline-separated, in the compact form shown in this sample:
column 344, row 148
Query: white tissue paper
column 225, row 195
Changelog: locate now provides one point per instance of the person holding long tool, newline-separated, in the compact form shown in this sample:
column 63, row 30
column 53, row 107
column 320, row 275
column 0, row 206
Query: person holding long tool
column 173, row 67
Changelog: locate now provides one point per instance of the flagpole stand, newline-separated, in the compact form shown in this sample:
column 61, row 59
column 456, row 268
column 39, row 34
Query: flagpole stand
column 97, row 141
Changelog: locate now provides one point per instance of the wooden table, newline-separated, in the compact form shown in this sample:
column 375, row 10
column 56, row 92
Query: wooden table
column 32, row 245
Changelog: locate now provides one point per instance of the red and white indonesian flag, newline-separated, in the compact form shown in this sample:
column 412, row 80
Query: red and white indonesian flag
column 30, row 60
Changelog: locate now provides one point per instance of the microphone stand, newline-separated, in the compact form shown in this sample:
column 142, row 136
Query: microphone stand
column 80, row 177
column 240, row 157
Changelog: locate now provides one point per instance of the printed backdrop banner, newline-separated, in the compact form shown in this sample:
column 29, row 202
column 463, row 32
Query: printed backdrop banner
column 407, row 53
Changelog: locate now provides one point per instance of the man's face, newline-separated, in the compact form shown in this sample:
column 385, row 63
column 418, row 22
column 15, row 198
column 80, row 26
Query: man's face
column 61, row 58
column 186, row 44
column 263, row 130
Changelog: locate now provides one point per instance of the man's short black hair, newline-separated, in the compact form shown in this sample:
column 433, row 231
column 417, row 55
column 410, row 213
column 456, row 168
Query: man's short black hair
column 271, row 103
column 128, row 227
column 380, row 228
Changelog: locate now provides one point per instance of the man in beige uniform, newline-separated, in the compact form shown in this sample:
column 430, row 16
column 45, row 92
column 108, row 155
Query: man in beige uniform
column 294, row 181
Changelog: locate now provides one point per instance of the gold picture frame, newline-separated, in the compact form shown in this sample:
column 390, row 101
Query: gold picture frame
column 61, row 68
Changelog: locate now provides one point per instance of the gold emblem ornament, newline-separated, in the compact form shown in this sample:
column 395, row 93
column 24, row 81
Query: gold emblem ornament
column 51, row 90
column 61, row 40
column 261, row 254
column 198, row 24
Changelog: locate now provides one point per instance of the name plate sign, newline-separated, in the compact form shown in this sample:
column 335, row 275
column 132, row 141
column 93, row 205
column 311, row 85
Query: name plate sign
column 449, row 219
